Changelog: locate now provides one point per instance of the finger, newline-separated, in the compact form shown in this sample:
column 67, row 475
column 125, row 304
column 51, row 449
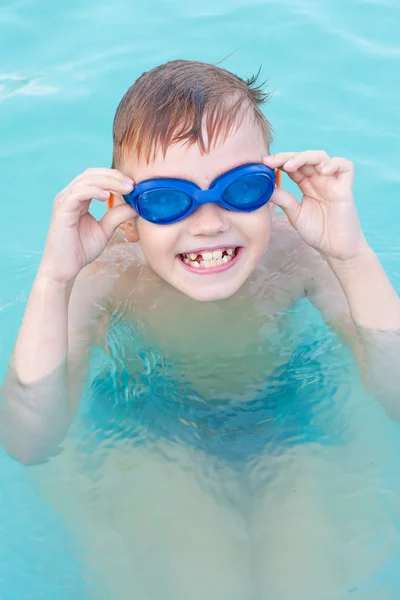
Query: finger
column 123, row 186
column 74, row 198
column 300, row 174
column 308, row 170
column 305, row 172
column 275, row 160
column 115, row 217
column 94, row 172
column 337, row 165
column 94, row 176
column 99, row 189
column 288, row 203
column 309, row 158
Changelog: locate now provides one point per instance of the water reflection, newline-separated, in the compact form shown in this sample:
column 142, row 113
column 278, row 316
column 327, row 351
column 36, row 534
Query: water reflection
column 266, row 417
column 160, row 478
column 268, row 469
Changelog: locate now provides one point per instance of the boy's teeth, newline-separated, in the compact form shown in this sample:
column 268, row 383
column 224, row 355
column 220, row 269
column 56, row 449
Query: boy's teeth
column 207, row 259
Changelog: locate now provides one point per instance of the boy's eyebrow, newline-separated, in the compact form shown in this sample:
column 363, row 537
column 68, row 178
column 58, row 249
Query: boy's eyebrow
column 179, row 175
column 236, row 166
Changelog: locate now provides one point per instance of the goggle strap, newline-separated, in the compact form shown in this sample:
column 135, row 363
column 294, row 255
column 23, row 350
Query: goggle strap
column 110, row 201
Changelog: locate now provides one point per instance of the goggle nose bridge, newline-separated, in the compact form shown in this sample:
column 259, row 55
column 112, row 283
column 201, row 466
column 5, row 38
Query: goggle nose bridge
column 206, row 196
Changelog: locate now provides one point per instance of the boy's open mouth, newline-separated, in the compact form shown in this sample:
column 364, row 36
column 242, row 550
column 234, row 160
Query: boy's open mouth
column 210, row 261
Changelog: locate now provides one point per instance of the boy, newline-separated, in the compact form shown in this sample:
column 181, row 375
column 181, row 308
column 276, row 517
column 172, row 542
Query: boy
column 207, row 288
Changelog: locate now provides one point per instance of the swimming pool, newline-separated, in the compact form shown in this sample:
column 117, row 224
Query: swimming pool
column 334, row 67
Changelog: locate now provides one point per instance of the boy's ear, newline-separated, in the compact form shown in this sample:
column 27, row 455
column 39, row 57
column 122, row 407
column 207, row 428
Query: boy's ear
column 128, row 229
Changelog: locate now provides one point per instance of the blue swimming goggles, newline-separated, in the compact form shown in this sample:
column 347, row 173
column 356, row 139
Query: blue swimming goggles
column 166, row 200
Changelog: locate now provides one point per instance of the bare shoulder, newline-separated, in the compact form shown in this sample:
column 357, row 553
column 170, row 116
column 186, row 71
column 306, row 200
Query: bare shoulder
column 321, row 285
column 312, row 271
column 94, row 293
column 98, row 283
column 289, row 254
column 316, row 281
column 93, row 299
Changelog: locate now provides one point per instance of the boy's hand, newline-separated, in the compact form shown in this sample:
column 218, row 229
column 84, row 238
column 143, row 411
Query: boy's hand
column 326, row 218
column 75, row 237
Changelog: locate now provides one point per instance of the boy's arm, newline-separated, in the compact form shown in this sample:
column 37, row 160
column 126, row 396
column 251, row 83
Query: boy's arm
column 39, row 393
column 358, row 301
column 326, row 220
column 88, row 320
column 41, row 390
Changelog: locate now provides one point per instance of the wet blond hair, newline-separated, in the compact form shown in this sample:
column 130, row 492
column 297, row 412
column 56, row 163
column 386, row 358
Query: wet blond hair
column 177, row 102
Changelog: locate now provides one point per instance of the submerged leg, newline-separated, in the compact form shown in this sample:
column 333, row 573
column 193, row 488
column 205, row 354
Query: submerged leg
column 289, row 532
column 149, row 525
column 307, row 532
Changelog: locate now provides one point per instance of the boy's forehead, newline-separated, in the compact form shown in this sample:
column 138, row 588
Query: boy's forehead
column 243, row 146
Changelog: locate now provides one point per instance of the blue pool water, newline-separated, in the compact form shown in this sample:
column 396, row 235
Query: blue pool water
column 334, row 68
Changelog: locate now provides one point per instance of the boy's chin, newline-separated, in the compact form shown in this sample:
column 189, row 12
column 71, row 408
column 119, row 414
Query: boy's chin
column 209, row 293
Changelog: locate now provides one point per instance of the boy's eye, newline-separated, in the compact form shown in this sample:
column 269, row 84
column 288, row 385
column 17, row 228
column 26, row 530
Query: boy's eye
column 163, row 204
column 247, row 191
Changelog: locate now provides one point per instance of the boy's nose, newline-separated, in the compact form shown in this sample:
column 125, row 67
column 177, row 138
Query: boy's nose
column 209, row 220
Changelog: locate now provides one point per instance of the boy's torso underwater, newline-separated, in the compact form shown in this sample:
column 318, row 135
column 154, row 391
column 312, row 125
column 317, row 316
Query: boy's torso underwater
column 230, row 377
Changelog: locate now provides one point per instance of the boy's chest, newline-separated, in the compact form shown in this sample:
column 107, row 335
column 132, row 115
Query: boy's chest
column 219, row 349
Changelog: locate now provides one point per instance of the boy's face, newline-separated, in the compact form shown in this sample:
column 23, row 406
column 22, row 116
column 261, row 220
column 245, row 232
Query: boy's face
column 211, row 228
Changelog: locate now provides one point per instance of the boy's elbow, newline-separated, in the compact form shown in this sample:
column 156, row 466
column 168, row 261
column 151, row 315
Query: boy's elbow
column 32, row 459
column 26, row 437
column 25, row 457
column 386, row 393
column 391, row 404
column 27, row 450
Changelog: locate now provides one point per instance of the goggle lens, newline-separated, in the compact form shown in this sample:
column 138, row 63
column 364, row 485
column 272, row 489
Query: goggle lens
column 163, row 205
column 250, row 191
